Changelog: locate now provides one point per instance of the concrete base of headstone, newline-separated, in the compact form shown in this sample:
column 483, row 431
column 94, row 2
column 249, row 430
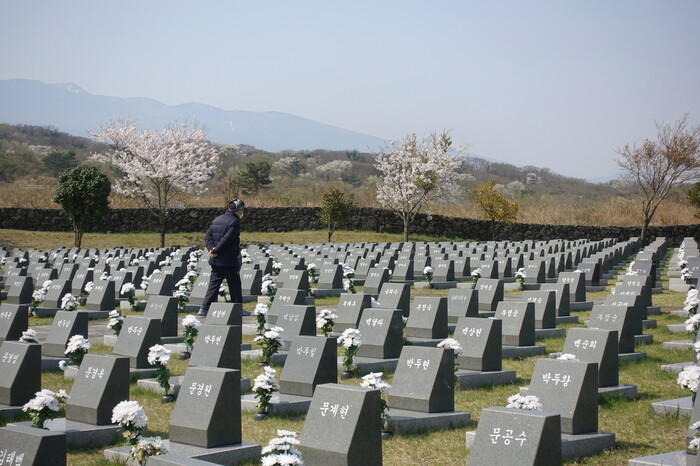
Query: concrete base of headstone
column 649, row 323
column 595, row 288
column 676, row 328
column 256, row 354
column 519, row 352
column 676, row 407
column 567, row 320
column 111, row 340
column 9, row 411
column 79, row 434
column 544, row 333
column 678, row 345
column 435, row 285
column 364, row 366
column 644, row 339
column 574, row 446
column 280, row 404
column 97, row 315
column 49, row 363
column 176, row 382
column 631, row 357
column 515, row 286
column 179, row 348
column 581, row 305
column 473, row 379
column 326, row 293
column 468, row 284
column 486, row 314
column 402, row 421
column 309, row 300
column 675, row 458
column 680, row 313
column 619, row 391
column 676, row 367
column 228, row 454
column 653, row 310
column 139, row 305
column 677, row 284
column 431, row 342
column 171, row 459
column 46, row 311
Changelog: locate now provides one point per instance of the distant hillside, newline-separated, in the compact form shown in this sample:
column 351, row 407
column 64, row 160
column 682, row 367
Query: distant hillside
column 69, row 108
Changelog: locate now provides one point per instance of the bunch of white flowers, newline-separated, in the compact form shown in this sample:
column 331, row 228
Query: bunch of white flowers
column 691, row 301
column 44, row 406
column 451, row 343
column 428, row 272
column 476, row 274
column 325, row 321
column 282, row 450
column 147, row 446
column 689, row 378
column 190, row 330
column 686, row 275
column 268, row 287
column 29, row 336
column 263, row 387
column 130, row 415
column 76, row 349
column 567, row 357
column 520, row 275
column 69, row 303
column 270, row 341
column 158, row 354
column 351, row 339
column 313, row 271
column 524, row 402
column 184, row 289
column 115, row 321
column 88, row 287
column 692, row 325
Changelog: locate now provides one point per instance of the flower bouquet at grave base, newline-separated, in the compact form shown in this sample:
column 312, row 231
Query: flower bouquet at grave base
column 69, row 303
column 682, row 263
column 159, row 355
column 270, row 341
column 686, row 275
column 44, row 406
column 88, row 287
column 691, row 302
column 695, row 442
column 692, row 325
column 76, row 349
column 348, row 278
column 374, row 381
column 529, row 402
column 224, row 293
column 567, row 357
column 312, row 269
column 282, row 451
column 115, row 321
column 476, row 275
column 38, row 297
column 29, row 336
column 130, row 416
column 276, row 267
column 260, row 313
column 520, row 276
column 325, row 321
column 129, row 290
column 268, row 287
column 184, row 289
column 146, row 447
column 245, row 257
column 190, row 330
column 263, row 387
column 351, row 339
column 690, row 378
column 428, row 272
column 451, row 343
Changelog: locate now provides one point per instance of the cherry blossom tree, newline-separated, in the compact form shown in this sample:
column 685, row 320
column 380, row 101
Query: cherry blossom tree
column 154, row 166
column 417, row 173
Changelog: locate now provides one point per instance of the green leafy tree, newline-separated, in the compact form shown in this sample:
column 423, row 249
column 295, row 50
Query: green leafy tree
column 496, row 206
column 694, row 197
column 335, row 208
column 56, row 162
column 83, row 193
column 254, row 177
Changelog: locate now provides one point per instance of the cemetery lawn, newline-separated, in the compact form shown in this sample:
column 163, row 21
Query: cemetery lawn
column 639, row 432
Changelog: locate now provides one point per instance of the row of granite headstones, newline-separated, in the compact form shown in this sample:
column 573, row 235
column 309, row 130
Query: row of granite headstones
column 689, row 252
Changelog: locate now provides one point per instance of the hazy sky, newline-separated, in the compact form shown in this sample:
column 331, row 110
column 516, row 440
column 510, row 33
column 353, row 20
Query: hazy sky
column 557, row 84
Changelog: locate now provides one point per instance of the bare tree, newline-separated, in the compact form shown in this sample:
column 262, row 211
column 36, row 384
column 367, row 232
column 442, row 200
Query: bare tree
column 655, row 167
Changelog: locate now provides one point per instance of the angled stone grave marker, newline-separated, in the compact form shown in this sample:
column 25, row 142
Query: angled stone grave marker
column 490, row 294
column 621, row 319
column 160, row 284
column 462, row 303
column 14, row 319
column 138, row 334
column 101, row 297
column 296, row 320
column 44, row 275
column 80, row 279
column 251, row 282
column 217, row 346
column 535, row 271
column 20, row 373
column 296, row 280
column 224, row 314
column 427, row 319
column 403, row 271
column 200, row 287
column 376, row 278
column 29, row 445
column 545, row 312
column 505, row 268
column 591, row 270
column 395, row 296
column 343, row 426
column 598, row 346
column 312, row 361
column 562, row 300
column 362, row 268
column 100, row 384
column 163, row 308
column 489, row 269
column 65, row 324
column 54, row 297
column 518, row 326
column 68, row 271
column 570, row 389
column 349, row 310
column 481, row 343
column 207, row 412
column 20, row 290
column 462, row 266
column 516, row 436
column 120, row 278
column 577, row 285
column 382, row 336
column 330, row 277
column 285, row 297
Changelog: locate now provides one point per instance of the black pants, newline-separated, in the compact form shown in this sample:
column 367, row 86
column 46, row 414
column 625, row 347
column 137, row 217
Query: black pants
column 218, row 274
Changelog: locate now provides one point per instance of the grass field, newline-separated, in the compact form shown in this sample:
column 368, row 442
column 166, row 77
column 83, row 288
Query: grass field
column 638, row 431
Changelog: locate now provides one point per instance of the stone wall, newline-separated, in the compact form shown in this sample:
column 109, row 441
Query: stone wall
column 281, row 219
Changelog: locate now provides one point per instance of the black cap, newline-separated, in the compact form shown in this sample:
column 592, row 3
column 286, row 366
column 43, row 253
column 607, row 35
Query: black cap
column 236, row 205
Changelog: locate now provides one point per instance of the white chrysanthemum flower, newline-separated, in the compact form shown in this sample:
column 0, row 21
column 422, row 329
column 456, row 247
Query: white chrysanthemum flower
column 158, row 354
column 689, row 378
column 350, row 337
column 524, row 402
column 374, row 380
column 451, row 343
column 191, row 321
column 77, row 343
column 568, row 357
column 129, row 413
column 261, row 309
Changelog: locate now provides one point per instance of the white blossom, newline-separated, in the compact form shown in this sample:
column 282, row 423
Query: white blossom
column 374, row 380
column 350, row 337
column 191, row 321
column 129, row 413
column 158, row 354
column 77, row 343
column 689, row 378
column 567, row 357
column 524, row 402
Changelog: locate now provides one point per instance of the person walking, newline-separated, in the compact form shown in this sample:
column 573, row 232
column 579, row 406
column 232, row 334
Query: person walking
column 223, row 242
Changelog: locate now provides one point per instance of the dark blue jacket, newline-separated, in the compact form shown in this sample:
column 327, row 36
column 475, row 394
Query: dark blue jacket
column 224, row 238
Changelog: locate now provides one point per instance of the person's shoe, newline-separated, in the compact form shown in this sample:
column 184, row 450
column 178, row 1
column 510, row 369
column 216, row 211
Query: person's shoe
column 202, row 313
column 246, row 313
